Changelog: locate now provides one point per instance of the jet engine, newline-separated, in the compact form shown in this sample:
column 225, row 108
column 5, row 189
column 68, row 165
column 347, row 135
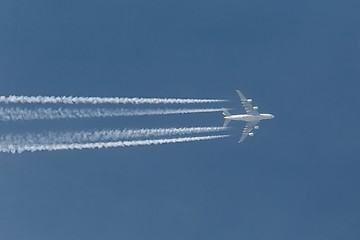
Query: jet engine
column 256, row 127
column 251, row 134
column 256, row 108
column 249, row 100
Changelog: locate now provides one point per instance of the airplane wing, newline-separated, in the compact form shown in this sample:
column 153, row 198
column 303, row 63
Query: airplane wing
column 247, row 105
column 248, row 128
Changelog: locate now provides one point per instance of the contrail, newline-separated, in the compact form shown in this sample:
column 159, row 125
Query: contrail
column 15, row 114
column 102, row 100
column 99, row 135
column 78, row 146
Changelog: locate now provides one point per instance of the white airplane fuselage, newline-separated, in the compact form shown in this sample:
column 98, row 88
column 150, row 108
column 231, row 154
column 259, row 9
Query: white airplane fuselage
column 250, row 118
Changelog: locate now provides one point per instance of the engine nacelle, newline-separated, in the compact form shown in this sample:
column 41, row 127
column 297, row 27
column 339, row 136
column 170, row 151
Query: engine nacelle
column 256, row 127
column 256, row 108
column 251, row 134
column 249, row 100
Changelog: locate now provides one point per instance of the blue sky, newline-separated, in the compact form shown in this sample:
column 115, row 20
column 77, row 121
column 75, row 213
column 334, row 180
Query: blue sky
column 296, row 179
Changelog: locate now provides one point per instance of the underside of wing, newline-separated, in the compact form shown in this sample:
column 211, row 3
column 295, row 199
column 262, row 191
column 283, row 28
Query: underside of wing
column 248, row 128
column 247, row 105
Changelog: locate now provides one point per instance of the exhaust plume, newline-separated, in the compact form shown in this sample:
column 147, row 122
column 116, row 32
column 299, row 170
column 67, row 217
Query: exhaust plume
column 78, row 146
column 99, row 136
column 102, row 100
column 15, row 114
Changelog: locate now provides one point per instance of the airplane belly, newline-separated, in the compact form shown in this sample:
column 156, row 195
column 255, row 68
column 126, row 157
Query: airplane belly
column 246, row 118
column 250, row 118
column 236, row 117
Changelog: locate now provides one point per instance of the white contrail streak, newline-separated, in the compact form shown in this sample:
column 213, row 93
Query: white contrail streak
column 14, row 114
column 78, row 146
column 102, row 100
column 99, row 136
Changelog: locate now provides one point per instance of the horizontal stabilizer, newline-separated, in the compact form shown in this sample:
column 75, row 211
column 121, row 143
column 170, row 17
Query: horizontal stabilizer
column 226, row 113
column 226, row 122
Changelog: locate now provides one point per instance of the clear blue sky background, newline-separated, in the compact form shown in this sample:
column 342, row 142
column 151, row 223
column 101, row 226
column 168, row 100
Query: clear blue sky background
column 298, row 178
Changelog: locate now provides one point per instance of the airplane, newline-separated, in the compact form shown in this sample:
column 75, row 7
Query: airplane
column 252, row 117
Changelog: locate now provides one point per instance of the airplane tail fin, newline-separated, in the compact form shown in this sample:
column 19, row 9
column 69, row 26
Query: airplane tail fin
column 226, row 122
column 226, row 113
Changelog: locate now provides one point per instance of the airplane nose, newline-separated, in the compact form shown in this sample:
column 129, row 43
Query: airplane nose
column 272, row 116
